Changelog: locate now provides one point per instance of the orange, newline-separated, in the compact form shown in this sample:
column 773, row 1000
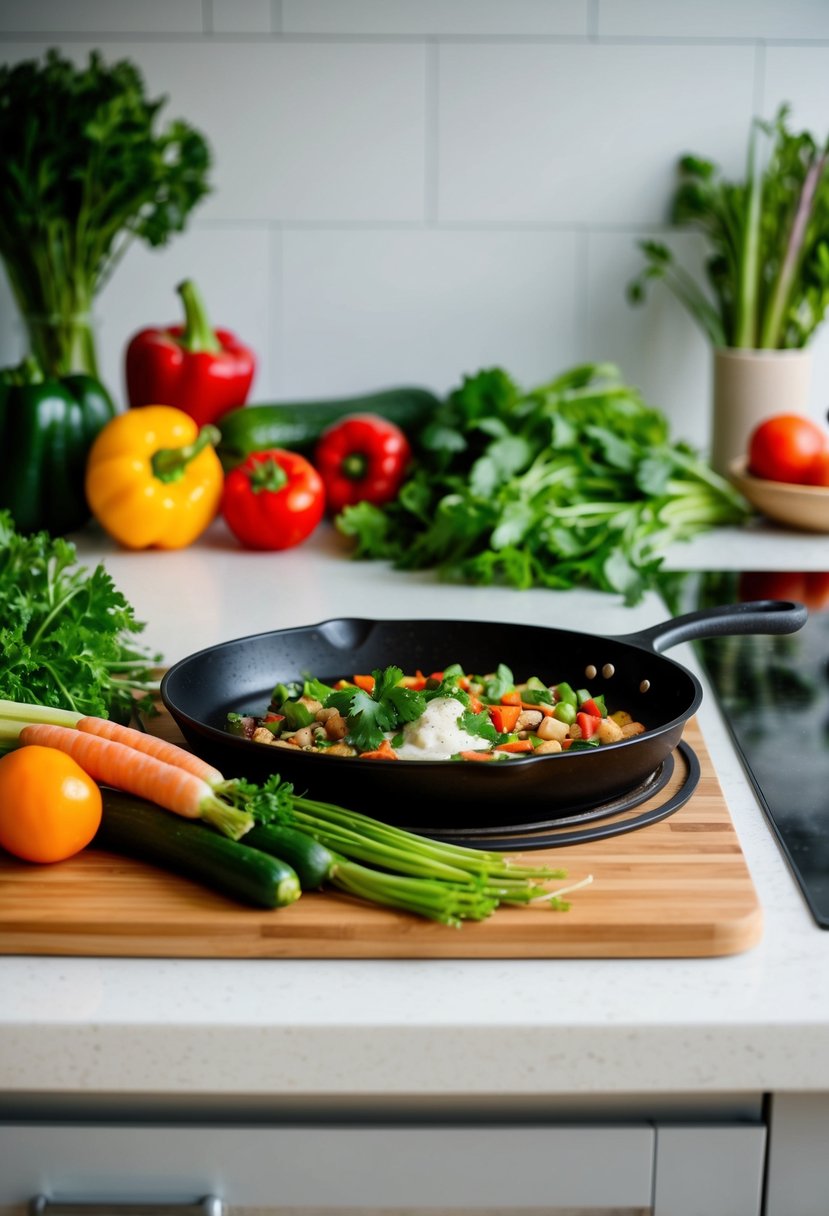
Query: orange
column 49, row 808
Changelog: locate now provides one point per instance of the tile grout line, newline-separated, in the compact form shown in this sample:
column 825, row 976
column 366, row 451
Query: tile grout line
column 431, row 157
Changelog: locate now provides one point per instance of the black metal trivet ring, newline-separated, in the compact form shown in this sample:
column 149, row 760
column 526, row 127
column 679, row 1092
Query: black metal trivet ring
column 596, row 831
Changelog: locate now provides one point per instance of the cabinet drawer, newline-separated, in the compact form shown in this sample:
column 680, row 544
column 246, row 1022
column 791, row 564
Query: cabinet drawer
column 363, row 1167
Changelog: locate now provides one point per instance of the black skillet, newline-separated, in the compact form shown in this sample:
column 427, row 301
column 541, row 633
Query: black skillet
column 629, row 670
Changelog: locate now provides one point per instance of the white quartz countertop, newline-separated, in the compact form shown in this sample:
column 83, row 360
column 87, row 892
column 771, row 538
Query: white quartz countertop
column 353, row 1030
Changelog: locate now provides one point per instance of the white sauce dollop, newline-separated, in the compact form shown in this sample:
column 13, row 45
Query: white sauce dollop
column 435, row 735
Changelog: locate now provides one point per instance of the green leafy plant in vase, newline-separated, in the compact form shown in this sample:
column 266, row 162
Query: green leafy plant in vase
column 85, row 171
column 767, row 275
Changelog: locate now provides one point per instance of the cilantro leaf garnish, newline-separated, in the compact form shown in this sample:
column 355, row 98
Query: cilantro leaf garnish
column 496, row 685
column 370, row 715
column 480, row 725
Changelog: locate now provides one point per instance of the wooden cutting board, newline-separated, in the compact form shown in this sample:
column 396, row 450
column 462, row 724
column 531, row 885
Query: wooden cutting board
column 676, row 888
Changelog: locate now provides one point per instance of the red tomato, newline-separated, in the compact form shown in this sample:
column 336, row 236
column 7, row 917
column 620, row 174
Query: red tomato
column 810, row 587
column 273, row 500
column 820, row 470
column 785, row 448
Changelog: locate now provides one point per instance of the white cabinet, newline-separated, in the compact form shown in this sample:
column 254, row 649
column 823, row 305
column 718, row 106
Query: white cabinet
column 642, row 1168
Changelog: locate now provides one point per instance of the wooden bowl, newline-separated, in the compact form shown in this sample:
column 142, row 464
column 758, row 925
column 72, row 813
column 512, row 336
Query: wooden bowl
column 802, row 507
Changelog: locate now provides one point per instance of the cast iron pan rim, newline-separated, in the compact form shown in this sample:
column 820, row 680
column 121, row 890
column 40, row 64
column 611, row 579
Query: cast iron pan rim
column 221, row 736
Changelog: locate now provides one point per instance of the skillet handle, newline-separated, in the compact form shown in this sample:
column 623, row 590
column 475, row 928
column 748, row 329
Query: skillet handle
column 756, row 616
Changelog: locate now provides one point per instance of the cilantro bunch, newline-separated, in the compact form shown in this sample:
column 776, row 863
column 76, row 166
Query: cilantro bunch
column 576, row 482
column 67, row 633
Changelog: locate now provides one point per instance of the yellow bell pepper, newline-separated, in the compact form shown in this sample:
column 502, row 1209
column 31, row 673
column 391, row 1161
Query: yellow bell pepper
column 153, row 480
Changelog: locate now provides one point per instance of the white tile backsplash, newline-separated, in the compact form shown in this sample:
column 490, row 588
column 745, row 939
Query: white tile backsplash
column 407, row 190
column 748, row 19
column 101, row 17
column 240, row 16
column 656, row 344
column 545, row 133
column 305, row 132
column 471, row 17
column 799, row 75
column 368, row 309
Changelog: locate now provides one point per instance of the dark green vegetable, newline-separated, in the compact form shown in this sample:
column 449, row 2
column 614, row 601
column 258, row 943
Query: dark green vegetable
column 139, row 829
column 67, row 634
column 575, row 482
column 46, row 430
column 297, row 426
column 312, row 862
column 84, row 171
column 768, row 261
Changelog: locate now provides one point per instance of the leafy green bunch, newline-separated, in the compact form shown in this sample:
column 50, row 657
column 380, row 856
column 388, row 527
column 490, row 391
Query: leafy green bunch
column 768, row 237
column 67, row 634
column 576, row 482
column 85, row 170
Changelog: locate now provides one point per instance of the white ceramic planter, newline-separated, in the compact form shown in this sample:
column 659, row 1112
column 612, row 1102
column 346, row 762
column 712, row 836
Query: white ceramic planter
column 749, row 386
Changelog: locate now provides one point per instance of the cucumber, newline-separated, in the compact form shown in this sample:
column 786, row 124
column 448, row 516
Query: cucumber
column 298, row 425
column 312, row 861
column 136, row 828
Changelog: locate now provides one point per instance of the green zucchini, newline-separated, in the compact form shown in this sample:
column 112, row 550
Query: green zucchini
column 298, row 425
column 136, row 828
column 312, row 861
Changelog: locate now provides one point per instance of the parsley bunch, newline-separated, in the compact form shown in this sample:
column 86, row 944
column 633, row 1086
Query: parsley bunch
column 576, row 482
column 66, row 633
column 86, row 168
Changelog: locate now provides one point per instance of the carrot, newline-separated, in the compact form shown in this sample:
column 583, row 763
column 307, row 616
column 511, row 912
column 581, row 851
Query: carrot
column 111, row 763
column 518, row 745
column 504, row 717
column 476, row 755
column 365, row 682
column 511, row 698
column 547, row 710
column 150, row 745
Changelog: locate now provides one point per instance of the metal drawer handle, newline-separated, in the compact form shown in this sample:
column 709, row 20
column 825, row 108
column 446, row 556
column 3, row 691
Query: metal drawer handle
column 209, row 1205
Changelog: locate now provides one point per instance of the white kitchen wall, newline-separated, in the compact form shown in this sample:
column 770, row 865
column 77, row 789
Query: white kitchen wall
column 408, row 190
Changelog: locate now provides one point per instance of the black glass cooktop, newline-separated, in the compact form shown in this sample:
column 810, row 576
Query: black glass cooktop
column 774, row 696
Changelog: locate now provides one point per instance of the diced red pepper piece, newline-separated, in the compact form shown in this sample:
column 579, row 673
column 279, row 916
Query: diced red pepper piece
column 590, row 707
column 365, row 682
column 588, row 724
column 475, row 704
column 504, row 717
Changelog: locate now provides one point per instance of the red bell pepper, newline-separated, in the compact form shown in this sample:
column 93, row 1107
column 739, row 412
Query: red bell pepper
column 588, row 723
column 273, row 500
column 197, row 369
column 362, row 458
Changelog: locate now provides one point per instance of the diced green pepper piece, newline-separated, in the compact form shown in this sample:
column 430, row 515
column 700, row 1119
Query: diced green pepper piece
column 566, row 712
column 296, row 715
column 283, row 693
column 235, row 724
column 582, row 695
column 566, row 693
